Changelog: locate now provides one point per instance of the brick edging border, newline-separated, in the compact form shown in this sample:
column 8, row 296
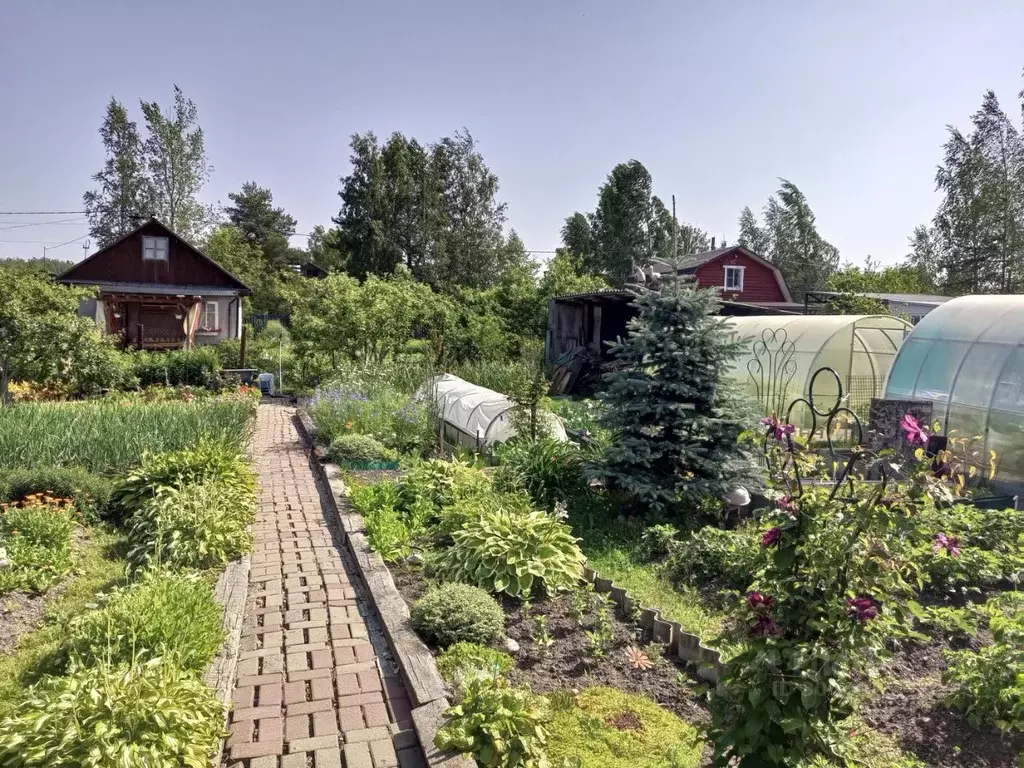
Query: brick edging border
column 415, row 661
column 231, row 593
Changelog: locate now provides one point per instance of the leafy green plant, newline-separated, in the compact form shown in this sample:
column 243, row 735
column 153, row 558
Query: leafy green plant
column 550, row 471
column 946, row 620
column 453, row 613
column 601, row 637
column 207, row 461
column 164, row 614
column 37, row 537
column 154, row 714
column 541, row 634
column 388, row 533
column 199, row 525
column 658, row 541
column 717, row 558
column 514, row 551
column 392, row 418
column 91, row 493
column 441, row 484
column 608, row 728
column 462, row 661
column 990, row 682
column 499, row 725
column 359, row 448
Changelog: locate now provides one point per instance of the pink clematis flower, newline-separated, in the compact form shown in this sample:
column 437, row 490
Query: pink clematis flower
column 913, row 431
column 786, row 504
column 782, row 431
column 951, row 544
column 771, row 537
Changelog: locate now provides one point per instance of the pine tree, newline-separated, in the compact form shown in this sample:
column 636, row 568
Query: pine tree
column 675, row 418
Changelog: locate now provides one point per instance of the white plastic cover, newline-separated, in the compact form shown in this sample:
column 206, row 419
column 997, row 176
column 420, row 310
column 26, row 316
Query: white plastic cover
column 480, row 416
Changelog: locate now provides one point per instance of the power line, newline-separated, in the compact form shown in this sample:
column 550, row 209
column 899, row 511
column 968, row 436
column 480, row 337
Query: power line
column 39, row 213
column 44, row 223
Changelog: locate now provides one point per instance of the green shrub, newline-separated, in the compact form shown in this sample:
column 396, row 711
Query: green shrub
column 514, row 551
column 91, row 493
column 162, row 615
column 499, row 725
column 154, row 714
column 359, row 448
column 990, row 682
column 388, row 533
column 609, row 728
column 181, row 367
column 711, row 556
column 550, row 471
column 463, row 661
column 106, row 436
column 200, row 525
column 37, row 537
column 657, row 541
column 454, row 613
column 161, row 473
column 441, row 484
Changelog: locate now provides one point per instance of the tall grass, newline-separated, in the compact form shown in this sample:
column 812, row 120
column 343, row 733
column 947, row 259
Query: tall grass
column 109, row 437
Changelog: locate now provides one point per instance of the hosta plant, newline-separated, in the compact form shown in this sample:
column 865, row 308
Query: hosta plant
column 514, row 551
column 164, row 614
column 500, row 725
column 153, row 714
column 196, row 526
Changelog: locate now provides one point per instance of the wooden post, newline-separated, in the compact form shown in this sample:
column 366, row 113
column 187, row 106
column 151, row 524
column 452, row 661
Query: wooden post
column 242, row 348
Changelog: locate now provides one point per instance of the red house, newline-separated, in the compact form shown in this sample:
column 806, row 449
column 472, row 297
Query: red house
column 742, row 275
column 157, row 291
column 581, row 325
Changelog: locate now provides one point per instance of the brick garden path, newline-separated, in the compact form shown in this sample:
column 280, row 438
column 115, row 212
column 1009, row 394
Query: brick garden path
column 310, row 690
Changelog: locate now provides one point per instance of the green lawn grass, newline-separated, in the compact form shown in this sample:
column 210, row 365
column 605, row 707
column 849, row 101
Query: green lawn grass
column 615, row 560
column 99, row 567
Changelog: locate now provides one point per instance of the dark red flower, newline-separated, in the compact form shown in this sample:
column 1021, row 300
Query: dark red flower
column 863, row 608
column 913, row 431
column 771, row 537
column 951, row 544
column 765, row 626
column 759, row 602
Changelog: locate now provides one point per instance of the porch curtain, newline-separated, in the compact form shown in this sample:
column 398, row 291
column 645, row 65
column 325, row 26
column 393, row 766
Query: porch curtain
column 191, row 322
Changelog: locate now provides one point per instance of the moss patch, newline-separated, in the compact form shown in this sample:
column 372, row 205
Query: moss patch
column 607, row 728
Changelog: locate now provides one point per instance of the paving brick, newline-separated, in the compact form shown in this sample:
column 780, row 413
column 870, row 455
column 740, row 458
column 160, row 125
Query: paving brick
column 310, row 674
column 294, row 692
column 375, row 714
column 357, row 756
column 328, row 758
column 369, row 681
column 296, row 727
column 268, row 761
column 351, row 718
column 312, row 743
column 294, row 760
column 324, row 723
column 255, row 713
column 242, row 697
column 306, row 707
column 366, row 734
column 383, row 753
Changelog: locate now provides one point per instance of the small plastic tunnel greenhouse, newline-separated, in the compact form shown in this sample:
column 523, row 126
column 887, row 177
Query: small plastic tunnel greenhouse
column 783, row 352
column 967, row 358
column 473, row 416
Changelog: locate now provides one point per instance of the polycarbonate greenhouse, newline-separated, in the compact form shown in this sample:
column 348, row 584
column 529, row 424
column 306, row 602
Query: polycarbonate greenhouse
column 783, row 352
column 474, row 416
column 967, row 358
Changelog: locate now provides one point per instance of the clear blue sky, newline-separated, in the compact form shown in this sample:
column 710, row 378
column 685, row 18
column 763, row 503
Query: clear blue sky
column 718, row 100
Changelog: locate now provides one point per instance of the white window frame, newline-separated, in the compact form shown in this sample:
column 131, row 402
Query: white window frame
column 203, row 326
column 725, row 280
column 155, row 248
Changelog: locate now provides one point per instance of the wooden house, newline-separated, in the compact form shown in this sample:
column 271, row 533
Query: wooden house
column 157, row 291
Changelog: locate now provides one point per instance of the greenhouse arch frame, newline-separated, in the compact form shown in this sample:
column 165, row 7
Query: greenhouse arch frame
column 967, row 358
column 782, row 353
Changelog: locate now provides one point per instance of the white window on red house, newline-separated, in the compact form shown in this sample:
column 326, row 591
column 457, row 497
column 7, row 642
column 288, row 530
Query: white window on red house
column 209, row 319
column 154, row 248
column 733, row 278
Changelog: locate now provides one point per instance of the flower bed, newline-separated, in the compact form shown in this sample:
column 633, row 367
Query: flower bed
column 118, row 677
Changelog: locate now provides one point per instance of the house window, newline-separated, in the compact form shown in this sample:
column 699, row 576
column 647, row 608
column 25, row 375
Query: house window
column 154, row 248
column 734, row 278
column 209, row 319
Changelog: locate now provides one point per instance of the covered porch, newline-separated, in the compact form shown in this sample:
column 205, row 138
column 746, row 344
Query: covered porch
column 151, row 321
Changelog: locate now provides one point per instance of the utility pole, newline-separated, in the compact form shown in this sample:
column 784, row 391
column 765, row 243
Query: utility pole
column 675, row 233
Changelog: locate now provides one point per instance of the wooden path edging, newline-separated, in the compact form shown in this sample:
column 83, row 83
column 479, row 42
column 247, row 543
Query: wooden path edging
column 415, row 661
column 231, row 593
